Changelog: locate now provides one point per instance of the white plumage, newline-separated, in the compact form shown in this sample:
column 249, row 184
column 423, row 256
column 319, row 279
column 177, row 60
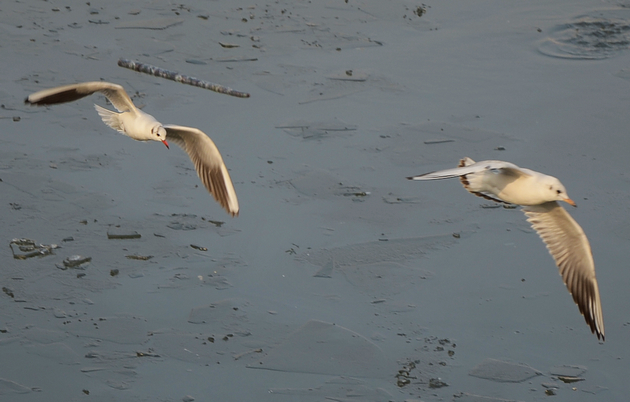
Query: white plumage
column 141, row 126
column 538, row 194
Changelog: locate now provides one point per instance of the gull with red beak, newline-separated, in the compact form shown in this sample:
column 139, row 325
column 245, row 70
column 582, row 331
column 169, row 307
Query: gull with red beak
column 539, row 194
column 141, row 126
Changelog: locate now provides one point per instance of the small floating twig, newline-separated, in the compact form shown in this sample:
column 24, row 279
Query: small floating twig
column 177, row 77
column 428, row 142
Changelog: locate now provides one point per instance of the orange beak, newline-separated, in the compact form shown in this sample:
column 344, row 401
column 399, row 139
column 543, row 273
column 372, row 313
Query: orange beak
column 166, row 143
column 570, row 202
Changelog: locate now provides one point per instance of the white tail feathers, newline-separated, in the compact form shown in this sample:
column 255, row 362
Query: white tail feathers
column 110, row 118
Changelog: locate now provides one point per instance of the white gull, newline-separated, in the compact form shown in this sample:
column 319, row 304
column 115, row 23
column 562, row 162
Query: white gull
column 505, row 182
column 141, row 126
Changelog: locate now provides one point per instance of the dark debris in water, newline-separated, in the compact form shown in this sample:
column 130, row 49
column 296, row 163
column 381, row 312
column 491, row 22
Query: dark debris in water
column 598, row 35
column 215, row 223
column 437, row 383
column 117, row 233
column 423, row 371
column 569, row 380
column 8, row 292
column 75, row 261
column 139, row 257
column 23, row 249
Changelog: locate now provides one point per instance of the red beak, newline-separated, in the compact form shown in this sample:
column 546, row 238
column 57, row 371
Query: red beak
column 166, row 143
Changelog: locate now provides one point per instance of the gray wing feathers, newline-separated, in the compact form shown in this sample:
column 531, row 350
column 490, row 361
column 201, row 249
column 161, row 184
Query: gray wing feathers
column 571, row 250
column 68, row 93
column 208, row 164
column 468, row 169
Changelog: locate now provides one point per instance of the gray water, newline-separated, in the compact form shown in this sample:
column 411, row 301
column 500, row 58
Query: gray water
column 340, row 280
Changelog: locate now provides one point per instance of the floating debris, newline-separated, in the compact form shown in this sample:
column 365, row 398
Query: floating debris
column 228, row 45
column 8, row 292
column 595, row 35
column 236, row 59
column 75, row 261
column 23, row 249
column 182, row 79
column 118, row 234
column 148, row 353
column 357, row 194
column 199, row 247
column 139, row 257
column 349, row 75
column 113, row 272
column 569, row 380
column 429, row 142
column 437, row 383
column 249, row 352
column 404, row 376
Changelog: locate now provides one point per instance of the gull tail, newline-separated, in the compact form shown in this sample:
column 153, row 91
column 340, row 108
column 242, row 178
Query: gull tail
column 110, row 118
column 446, row 173
column 471, row 177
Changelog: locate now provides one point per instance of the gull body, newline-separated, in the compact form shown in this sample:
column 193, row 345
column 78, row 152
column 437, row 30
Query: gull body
column 539, row 194
column 141, row 126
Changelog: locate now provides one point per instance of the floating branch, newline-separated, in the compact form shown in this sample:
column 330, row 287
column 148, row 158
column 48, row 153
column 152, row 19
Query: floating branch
column 184, row 79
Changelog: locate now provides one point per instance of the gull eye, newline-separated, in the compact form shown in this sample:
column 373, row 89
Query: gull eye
column 559, row 191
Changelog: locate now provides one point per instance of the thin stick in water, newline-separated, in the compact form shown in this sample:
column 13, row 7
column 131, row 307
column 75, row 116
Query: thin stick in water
column 177, row 77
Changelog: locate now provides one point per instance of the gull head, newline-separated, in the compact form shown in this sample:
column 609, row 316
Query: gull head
column 556, row 191
column 158, row 133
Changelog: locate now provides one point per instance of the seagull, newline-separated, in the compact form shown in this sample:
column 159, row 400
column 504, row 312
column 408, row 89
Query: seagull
column 141, row 126
column 539, row 194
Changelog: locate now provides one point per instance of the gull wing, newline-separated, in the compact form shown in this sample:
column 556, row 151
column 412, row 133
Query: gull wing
column 474, row 167
column 208, row 164
column 571, row 250
column 68, row 93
